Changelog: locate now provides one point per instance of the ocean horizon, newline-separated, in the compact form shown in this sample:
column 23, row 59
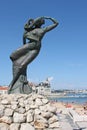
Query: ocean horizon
column 77, row 98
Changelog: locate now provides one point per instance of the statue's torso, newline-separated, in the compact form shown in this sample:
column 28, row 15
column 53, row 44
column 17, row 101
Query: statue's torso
column 35, row 34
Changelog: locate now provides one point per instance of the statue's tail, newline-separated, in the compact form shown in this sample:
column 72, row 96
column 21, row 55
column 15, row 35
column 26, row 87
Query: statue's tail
column 18, row 73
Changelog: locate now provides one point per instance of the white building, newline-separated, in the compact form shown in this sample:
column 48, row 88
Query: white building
column 3, row 90
column 43, row 88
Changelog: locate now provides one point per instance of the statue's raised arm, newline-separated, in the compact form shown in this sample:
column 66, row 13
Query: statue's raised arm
column 50, row 27
column 39, row 19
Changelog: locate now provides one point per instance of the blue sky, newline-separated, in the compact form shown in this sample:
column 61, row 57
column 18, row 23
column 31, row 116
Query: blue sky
column 63, row 55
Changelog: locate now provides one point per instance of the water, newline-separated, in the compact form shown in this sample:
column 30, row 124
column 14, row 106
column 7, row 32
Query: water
column 77, row 98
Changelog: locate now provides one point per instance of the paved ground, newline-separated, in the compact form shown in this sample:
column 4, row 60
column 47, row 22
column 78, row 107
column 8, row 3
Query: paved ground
column 82, row 125
column 66, row 123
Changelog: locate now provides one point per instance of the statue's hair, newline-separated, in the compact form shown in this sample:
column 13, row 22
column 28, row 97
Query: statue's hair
column 30, row 20
column 39, row 22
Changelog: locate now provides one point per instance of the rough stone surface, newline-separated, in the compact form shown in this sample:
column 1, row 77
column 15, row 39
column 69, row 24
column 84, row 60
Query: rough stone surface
column 18, row 118
column 6, row 119
column 8, row 112
column 4, row 126
column 26, row 126
column 14, row 126
column 27, row 112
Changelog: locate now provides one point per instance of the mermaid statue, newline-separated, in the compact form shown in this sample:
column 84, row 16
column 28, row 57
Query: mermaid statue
column 24, row 55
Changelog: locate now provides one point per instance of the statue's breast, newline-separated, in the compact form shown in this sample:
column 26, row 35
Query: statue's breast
column 35, row 34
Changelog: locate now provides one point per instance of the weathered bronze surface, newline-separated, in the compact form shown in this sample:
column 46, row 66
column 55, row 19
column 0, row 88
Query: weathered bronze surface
column 24, row 55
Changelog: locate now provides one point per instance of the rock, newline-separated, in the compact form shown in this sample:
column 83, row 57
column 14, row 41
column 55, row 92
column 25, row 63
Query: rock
column 14, row 126
column 46, row 114
column 33, row 106
column 4, row 126
column 39, row 117
column 53, row 119
column 1, row 110
column 45, row 101
column 8, row 106
column 21, row 104
column 14, row 103
column 27, row 107
column 30, row 111
column 14, row 106
column 5, row 102
column 18, row 118
column 1, row 113
column 40, row 125
column 30, row 117
column 38, row 102
column 2, row 107
column 37, row 112
column 54, row 125
column 26, row 102
column 26, row 126
column 39, row 96
column 6, row 119
column 51, row 109
column 43, row 108
column 21, row 110
column 8, row 112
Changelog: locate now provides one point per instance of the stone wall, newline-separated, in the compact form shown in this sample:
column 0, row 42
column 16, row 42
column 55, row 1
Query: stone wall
column 27, row 112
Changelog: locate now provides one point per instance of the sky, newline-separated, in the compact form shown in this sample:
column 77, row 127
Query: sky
column 63, row 55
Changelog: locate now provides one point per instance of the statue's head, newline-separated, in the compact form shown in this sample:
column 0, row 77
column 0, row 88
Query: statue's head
column 30, row 21
column 40, row 22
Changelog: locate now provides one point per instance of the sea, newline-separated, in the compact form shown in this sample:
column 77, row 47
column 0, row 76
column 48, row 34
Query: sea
column 80, row 98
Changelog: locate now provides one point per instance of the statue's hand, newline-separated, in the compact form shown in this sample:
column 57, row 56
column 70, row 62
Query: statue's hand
column 45, row 17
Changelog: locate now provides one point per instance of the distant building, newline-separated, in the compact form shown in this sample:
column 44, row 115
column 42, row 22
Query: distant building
column 3, row 89
column 43, row 88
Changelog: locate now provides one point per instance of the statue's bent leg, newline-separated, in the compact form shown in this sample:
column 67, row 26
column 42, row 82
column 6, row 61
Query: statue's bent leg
column 29, row 57
column 22, row 50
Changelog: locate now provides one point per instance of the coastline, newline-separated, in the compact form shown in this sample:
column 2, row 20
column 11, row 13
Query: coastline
column 71, row 111
column 71, row 115
column 68, row 98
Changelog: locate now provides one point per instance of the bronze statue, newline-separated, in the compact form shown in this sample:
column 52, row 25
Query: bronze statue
column 27, row 53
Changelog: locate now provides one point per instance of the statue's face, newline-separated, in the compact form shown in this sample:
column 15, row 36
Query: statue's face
column 42, row 21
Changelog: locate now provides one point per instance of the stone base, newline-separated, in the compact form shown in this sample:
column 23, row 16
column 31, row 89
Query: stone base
column 27, row 112
column 20, row 88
